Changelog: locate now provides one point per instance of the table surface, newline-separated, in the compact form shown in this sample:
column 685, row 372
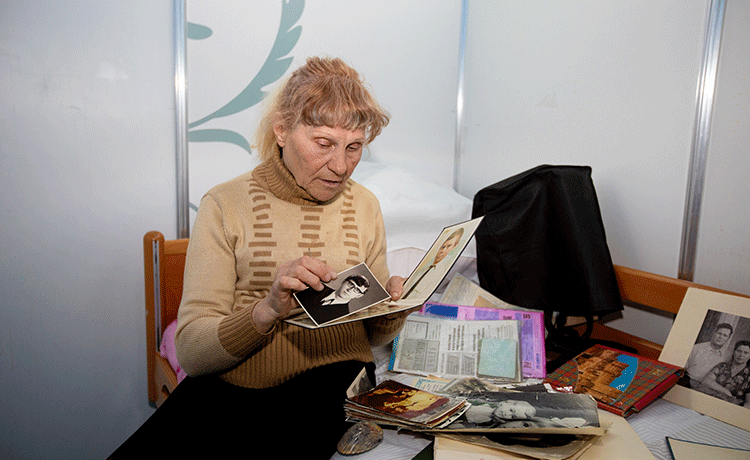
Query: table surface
column 642, row 435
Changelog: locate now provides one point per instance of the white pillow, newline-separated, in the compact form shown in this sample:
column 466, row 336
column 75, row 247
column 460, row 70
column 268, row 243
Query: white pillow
column 415, row 210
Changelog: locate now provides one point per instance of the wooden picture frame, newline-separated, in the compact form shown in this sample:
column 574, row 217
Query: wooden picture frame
column 702, row 310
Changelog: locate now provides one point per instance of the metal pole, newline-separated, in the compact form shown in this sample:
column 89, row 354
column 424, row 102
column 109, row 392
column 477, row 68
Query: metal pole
column 699, row 155
column 460, row 98
column 181, row 144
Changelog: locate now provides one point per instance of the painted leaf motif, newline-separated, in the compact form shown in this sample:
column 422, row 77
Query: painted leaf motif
column 273, row 68
column 219, row 135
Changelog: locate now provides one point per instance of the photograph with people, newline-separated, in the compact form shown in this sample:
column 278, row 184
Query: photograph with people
column 713, row 344
column 497, row 410
column 439, row 259
column 341, row 297
column 247, row 257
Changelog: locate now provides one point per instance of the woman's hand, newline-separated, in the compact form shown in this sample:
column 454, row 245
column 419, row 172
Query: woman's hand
column 291, row 277
column 395, row 287
column 379, row 335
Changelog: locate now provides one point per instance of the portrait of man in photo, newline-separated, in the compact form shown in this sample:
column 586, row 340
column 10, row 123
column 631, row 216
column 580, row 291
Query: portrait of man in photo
column 432, row 270
column 705, row 355
column 353, row 290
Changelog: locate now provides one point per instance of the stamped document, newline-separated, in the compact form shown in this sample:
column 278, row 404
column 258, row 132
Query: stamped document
column 452, row 348
column 533, row 357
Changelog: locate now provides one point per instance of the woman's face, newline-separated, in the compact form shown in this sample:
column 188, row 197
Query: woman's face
column 741, row 354
column 322, row 158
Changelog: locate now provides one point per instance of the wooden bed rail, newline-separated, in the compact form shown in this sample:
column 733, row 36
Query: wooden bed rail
column 164, row 264
column 639, row 288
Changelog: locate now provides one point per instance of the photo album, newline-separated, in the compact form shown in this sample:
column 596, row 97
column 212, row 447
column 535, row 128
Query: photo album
column 356, row 294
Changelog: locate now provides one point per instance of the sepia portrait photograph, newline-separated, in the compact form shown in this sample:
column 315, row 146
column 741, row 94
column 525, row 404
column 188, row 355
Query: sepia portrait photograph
column 438, row 260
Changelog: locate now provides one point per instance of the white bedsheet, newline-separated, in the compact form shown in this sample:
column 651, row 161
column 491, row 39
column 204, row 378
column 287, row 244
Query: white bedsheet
column 662, row 418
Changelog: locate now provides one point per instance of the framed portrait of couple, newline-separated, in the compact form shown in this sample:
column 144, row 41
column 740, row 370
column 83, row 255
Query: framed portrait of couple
column 710, row 338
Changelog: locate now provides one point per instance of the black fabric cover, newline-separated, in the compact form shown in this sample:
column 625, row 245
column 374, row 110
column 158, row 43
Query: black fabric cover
column 542, row 244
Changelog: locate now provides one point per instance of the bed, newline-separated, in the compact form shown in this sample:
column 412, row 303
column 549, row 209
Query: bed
column 406, row 199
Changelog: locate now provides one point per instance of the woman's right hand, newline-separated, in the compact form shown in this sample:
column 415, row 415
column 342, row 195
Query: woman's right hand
column 291, row 277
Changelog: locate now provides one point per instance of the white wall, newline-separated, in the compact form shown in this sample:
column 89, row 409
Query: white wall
column 407, row 52
column 86, row 168
column 723, row 256
column 613, row 85
column 607, row 84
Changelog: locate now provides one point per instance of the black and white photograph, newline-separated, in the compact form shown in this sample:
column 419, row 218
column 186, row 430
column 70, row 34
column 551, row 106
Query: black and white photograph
column 718, row 362
column 351, row 291
column 418, row 287
column 711, row 340
column 467, row 387
column 535, row 412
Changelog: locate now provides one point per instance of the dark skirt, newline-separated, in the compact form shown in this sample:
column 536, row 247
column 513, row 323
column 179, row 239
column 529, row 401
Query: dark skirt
column 301, row 418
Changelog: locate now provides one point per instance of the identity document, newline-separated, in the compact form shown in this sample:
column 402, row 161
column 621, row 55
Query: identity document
column 453, row 348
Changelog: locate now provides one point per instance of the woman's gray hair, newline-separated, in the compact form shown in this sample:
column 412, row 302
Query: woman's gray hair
column 323, row 92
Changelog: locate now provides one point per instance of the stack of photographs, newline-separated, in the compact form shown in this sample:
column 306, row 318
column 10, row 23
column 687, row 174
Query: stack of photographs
column 394, row 404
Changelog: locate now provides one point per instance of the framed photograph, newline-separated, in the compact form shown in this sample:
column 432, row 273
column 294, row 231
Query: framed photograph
column 710, row 338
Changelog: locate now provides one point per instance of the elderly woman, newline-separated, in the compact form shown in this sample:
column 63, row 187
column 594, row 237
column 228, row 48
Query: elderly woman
column 255, row 382
column 730, row 380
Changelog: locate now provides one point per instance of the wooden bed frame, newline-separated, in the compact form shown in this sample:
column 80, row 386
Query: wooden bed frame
column 164, row 264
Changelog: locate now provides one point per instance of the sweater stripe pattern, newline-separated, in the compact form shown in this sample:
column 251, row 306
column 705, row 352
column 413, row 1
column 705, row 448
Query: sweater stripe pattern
column 243, row 229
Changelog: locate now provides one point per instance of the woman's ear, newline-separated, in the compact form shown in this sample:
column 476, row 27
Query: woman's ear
column 279, row 131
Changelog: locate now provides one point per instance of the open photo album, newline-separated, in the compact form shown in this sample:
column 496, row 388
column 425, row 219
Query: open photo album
column 357, row 295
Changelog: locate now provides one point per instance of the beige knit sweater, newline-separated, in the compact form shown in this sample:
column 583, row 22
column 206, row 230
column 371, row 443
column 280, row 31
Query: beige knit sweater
column 244, row 229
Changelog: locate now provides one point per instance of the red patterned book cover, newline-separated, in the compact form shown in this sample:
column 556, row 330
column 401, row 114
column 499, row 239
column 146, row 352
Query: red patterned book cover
column 621, row 382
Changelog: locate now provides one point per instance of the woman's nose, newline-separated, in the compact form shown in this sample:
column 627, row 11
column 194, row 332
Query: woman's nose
column 337, row 161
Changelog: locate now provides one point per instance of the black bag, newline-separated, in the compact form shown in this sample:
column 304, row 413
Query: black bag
column 542, row 244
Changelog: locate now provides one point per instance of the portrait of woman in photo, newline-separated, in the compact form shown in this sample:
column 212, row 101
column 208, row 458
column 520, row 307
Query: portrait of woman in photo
column 730, row 380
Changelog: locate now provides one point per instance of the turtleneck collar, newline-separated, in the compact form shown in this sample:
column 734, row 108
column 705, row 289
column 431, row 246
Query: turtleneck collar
column 274, row 176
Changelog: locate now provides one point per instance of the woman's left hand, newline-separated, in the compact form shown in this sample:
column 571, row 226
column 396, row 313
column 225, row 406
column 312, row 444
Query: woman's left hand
column 395, row 287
